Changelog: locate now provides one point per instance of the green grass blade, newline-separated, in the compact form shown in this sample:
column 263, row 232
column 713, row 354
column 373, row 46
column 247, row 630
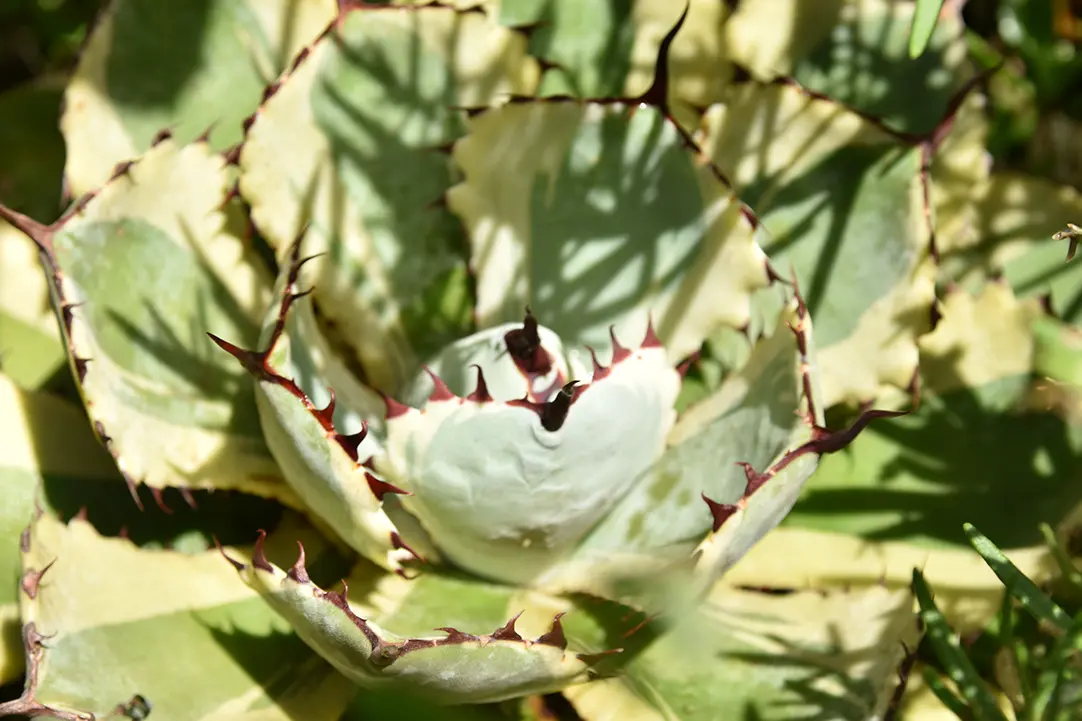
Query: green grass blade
column 925, row 17
column 943, row 692
column 982, row 705
column 1070, row 572
column 1029, row 596
column 1065, row 672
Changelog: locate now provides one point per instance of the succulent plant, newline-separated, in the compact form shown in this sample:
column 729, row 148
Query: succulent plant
column 504, row 313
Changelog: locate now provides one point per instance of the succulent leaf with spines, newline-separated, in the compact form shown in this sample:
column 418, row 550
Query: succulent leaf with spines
column 485, row 366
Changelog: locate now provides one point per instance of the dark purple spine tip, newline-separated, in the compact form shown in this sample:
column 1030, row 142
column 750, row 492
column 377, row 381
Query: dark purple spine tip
column 380, row 488
column 397, row 542
column 233, row 562
column 325, row 416
column 720, row 511
column 507, row 631
column 554, row 413
column 555, row 636
column 156, row 493
column 480, row 392
column 688, row 363
column 440, row 391
column 394, row 408
column 650, row 340
column 298, row 572
column 619, row 353
column 259, row 556
column 161, row 137
column 351, row 443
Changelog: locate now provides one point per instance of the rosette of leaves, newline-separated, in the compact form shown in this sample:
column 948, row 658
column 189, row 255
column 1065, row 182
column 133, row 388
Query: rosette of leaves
column 467, row 362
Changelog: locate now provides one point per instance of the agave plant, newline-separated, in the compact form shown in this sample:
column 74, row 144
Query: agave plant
column 531, row 358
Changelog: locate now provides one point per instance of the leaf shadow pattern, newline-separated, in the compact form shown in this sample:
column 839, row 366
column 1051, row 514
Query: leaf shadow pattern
column 864, row 64
column 612, row 64
column 621, row 217
column 820, row 679
column 962, row 456
column 184, row 360
column 389, row 110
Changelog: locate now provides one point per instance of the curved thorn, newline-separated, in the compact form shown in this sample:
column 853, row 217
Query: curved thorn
column 618, row 351
column 480, row 393
column 298, row 572
column 440, row 391
column 380, row 488
column 507, row 631
column 555, row 636
column 651, row 340
column 394, row 408
column 234, row 562
column 259, row 556
column 720, row 511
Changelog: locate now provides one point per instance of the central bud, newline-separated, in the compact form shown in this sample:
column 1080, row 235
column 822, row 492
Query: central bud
column 516, row 449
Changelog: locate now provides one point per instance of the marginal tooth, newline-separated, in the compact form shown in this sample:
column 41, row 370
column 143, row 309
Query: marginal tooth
column 555, row 411
column 259, row 556
column 618, row 351
column 325, row 416
column 555, row 636
column 394, row 408
column 350, row 443
column 651, row 340
column 298, row 572
column 157, row 494
column 755, row 479
column 600, row 371
column 398, row 543
column 186, row 494
column 507, row 631
column 688, row 362
column 480, row 393
column 440, row 391
column 234, row 562
column 592, row 658
column 380, row 487
column 720, row 511
column 455, row 636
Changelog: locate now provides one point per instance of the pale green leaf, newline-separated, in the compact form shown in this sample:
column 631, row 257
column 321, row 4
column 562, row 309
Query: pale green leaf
column 448, row 638
column 43, row 438
column 147, row 267
column 843, row 205
column 753, row 655
column 756, row 416
column 180, row 630
column 351, row 143
column 855, row 52
column 154, row 65
column 600, row 215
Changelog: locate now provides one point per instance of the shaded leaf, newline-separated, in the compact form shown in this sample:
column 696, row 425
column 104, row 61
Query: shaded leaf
column 365, row 118
column 842, row 203
column 180, row 630
column 603, row 216
column 752, row 655
column 187, row 67
column 140, row 274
